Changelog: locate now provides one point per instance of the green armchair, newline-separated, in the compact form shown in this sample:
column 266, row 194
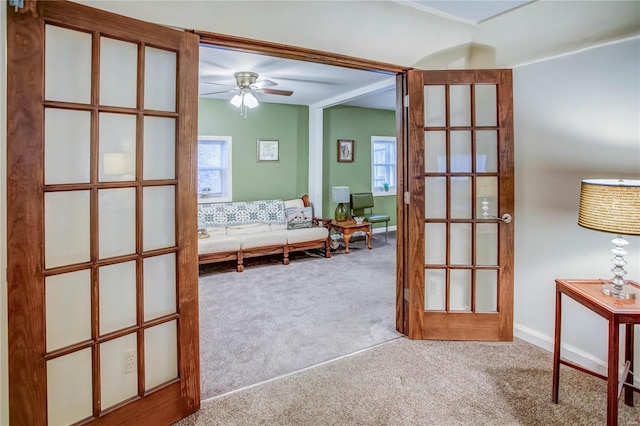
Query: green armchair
column 362, row 205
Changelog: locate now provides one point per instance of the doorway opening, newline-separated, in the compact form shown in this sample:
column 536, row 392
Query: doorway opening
column 273, row 320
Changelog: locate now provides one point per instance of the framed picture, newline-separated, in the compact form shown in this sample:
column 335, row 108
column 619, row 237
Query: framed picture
column 345, row 151
column 268, row 150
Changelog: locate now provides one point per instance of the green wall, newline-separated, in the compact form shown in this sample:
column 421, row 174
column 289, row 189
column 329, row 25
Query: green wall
column 358, row 124
column 289, row 178
column 286, row 179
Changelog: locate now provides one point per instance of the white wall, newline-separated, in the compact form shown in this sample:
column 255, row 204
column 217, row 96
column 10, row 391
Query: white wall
column 576, row 117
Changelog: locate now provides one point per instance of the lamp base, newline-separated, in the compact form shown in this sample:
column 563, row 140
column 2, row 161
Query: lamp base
column 341, row 214
column 622, row 293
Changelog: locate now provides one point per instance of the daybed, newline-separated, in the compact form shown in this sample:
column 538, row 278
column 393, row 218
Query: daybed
column 244, row 229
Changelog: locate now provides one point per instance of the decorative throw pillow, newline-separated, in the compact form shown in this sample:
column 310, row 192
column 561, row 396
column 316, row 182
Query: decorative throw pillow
column 299, row 217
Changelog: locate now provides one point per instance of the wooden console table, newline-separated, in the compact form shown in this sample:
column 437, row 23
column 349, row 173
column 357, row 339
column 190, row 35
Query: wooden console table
column 616, row 311
column 348, row 227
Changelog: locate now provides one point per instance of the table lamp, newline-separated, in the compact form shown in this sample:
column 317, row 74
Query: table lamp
column 340, row 195
column 612, row 205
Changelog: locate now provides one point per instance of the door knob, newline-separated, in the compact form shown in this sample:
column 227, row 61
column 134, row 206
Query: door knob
column 506, row 218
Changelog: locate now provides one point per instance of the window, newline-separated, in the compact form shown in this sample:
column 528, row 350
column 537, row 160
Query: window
column 214, row 168
column 383, row 165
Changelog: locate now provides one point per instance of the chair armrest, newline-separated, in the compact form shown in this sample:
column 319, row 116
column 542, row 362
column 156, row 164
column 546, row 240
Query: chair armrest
column 322, row 221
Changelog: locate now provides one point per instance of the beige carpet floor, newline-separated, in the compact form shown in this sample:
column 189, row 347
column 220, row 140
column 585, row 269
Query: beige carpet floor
column 406, row 382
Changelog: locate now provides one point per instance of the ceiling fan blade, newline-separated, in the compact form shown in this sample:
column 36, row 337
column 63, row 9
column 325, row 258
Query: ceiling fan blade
column 264, row 83
column 217, row 84
column 277, row 92
column 220, row 91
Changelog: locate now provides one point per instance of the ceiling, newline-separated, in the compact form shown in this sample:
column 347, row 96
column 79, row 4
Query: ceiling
column 471, row 12
column 314, row 83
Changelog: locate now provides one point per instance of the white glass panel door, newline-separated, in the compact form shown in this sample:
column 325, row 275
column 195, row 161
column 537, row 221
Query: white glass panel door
column 459, row 177
column 118, row 72
column 63, row 82
column 117, row 145
column 67, row 146
column 69, row 393
column 95, row 87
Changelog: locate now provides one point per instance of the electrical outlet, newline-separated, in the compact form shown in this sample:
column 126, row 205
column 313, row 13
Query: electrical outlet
column 129, row 362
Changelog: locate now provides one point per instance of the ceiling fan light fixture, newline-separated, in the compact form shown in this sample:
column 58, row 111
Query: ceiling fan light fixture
column 236, row 101
column 250, row 100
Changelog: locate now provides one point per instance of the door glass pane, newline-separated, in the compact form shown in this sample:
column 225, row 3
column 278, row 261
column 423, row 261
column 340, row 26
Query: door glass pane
column 118, row 72
column 117, row 381
column 117, row 216
column 117, row 296
column 66, row 228
column 68, row 307
column 159, row 148
column 486, row 151
column 486, row 197
column 434, row 289
column 61, row 81
column 66, row 146
column 159, row 79
column 460, row 244
column 460, row 285
column 435, row 241
column 486, row 244
column 435, row 152
column 486, row 107
column 436, row 197
column 158, row 217
column 160, row 354
column 461, row 197
column 460, row 105
column 117, row 147
column 486, row 291
column 69, row 393
column 434, row 106
column 460, row 152
column 159, row 286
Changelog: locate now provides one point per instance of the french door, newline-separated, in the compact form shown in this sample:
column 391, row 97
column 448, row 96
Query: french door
column 458, row 257
column 102, row 257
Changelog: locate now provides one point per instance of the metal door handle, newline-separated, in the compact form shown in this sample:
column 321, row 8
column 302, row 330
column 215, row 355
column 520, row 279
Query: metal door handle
column 506, row 218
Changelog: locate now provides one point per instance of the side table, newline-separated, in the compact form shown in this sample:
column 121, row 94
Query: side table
column 616, row 311
column 347, row 228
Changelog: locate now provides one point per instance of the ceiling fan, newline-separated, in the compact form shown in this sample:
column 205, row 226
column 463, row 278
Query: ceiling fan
column 247, row 86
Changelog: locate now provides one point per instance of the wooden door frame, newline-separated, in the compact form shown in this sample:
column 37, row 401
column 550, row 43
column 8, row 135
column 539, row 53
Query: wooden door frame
column 327, row 58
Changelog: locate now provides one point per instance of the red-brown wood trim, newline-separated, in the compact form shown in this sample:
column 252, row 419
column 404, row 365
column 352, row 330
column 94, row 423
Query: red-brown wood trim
column 401, row 209
column 25, row 218
column 161, row 407
column 84, row 18
column 416, row 216
column 507, row 204
column 186, row 224
column 295, row 52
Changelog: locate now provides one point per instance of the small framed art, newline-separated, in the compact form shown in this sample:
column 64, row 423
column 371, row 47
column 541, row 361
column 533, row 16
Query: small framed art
column 345, row 151
column 268, row 150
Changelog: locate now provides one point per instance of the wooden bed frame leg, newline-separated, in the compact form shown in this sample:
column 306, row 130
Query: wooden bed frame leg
column 327, row 247
column 240, row 261
column 285, row 255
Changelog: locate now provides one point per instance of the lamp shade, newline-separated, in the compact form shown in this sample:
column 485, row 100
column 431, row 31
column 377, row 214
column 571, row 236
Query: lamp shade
column 340, row 194
column 610, row 205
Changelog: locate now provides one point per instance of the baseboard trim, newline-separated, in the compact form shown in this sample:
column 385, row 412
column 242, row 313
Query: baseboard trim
column 381, row 229
column 568, row 352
